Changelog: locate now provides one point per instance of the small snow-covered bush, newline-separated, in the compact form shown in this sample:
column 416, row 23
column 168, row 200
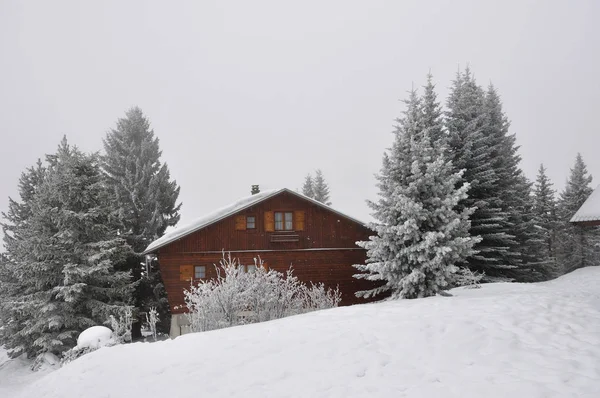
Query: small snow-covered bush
column 74, row 353
column 121, row 326
column 90, row 340
column 95, row 337
column 152, row 319
column 464, row 277
column 47, row 360
column 237, row 297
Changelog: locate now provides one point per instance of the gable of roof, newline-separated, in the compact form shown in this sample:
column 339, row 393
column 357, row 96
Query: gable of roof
column 590, row 209
column 224, row 212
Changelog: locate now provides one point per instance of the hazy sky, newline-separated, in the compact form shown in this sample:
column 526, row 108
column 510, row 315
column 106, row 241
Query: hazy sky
column 263, row 92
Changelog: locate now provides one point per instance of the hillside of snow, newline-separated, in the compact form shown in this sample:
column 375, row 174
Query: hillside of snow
column 15, row 374
column 503, row 340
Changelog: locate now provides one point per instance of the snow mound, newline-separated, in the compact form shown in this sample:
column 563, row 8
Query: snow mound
column 503, row 340
column 94, row 337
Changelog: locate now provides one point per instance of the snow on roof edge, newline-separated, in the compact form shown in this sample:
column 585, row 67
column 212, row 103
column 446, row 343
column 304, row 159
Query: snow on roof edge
column 224, row 212
column 590, row 209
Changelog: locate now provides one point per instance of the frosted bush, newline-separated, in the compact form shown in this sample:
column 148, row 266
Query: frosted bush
column 96, row 337
column 74, row 353
column 121, row 326
column 152, row 319
column 466, row 278
column 237, row 297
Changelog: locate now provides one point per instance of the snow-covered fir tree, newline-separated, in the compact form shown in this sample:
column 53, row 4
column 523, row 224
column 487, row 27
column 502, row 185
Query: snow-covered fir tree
column 546, row 223
column 530, row 266
column 12, row 285
column 144, row 200
column 321, row 188
column 307, row 188
column 62, row 249
column 420, row 234
column 474, row 147
column 577, row 245
column 513, row 189
column 433, row 114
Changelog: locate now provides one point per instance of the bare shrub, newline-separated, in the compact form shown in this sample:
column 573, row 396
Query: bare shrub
column 237, row 297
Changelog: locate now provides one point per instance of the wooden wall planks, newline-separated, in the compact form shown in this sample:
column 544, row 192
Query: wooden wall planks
column 325, row 250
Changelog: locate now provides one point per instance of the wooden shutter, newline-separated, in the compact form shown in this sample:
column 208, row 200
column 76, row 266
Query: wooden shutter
column 240, row 223
column 269, row 221
column 299, row 220
column 186, row 272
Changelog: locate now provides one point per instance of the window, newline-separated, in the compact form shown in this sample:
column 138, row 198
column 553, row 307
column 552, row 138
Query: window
column 250, row 222
column 250, row 268
column 199, row 272
column 288, row 221
column 284, row 221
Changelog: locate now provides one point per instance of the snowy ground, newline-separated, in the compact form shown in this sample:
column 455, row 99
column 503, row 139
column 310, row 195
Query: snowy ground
column 15, row 375
column 504, row 340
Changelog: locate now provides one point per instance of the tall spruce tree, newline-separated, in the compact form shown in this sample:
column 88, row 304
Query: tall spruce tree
column 321, row 188
column 514, row 190
column 433, row 114
column 546, row 222
column 530, row 265
column 420, row 235
column 577, row 244
column 61, row 251
column 12, row 285
column 145, row 203
column 474, row 146
column 308, row 187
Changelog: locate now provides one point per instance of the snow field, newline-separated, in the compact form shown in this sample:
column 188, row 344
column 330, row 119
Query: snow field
column 503, row 340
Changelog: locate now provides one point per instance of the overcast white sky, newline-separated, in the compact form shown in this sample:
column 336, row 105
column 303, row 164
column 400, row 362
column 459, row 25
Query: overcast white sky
column 263, row 92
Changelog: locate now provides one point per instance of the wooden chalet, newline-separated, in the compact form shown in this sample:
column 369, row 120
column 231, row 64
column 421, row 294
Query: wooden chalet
column 589, row 212
column 281, row 226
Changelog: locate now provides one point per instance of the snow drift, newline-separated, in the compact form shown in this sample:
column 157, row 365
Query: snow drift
column 519, row 340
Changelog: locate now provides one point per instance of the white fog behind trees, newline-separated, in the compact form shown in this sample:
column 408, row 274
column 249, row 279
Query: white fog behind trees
column 282, row 84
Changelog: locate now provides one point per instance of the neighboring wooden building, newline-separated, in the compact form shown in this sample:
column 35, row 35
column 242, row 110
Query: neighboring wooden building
column 589, row 213
column 281, row 226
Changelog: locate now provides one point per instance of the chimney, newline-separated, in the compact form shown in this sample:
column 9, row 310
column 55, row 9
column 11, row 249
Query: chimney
column 255, row 189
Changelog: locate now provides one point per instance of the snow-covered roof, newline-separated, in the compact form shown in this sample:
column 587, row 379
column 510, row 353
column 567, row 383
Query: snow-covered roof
column 590, row 209
column 227, row 211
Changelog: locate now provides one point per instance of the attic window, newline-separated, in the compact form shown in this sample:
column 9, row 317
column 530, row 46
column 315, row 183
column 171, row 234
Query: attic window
column 250, row 222
column 284, row 221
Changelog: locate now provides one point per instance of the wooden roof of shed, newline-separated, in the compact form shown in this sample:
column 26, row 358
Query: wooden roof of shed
column 589, row 212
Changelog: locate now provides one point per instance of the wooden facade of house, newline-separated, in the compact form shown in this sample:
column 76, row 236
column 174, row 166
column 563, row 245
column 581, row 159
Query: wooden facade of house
column 284, row 228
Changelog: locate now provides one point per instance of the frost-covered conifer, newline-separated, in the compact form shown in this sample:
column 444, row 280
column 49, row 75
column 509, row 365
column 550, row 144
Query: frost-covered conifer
column 12, row 285
column 321, row 188
column 420, row 235
column 432, row 114
column 62, row 252
column 577, row 244
column 144, row 200
column 546, row 224
column 531, row 266
column 512, row 187
column 474, row 147
column 307, row 188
